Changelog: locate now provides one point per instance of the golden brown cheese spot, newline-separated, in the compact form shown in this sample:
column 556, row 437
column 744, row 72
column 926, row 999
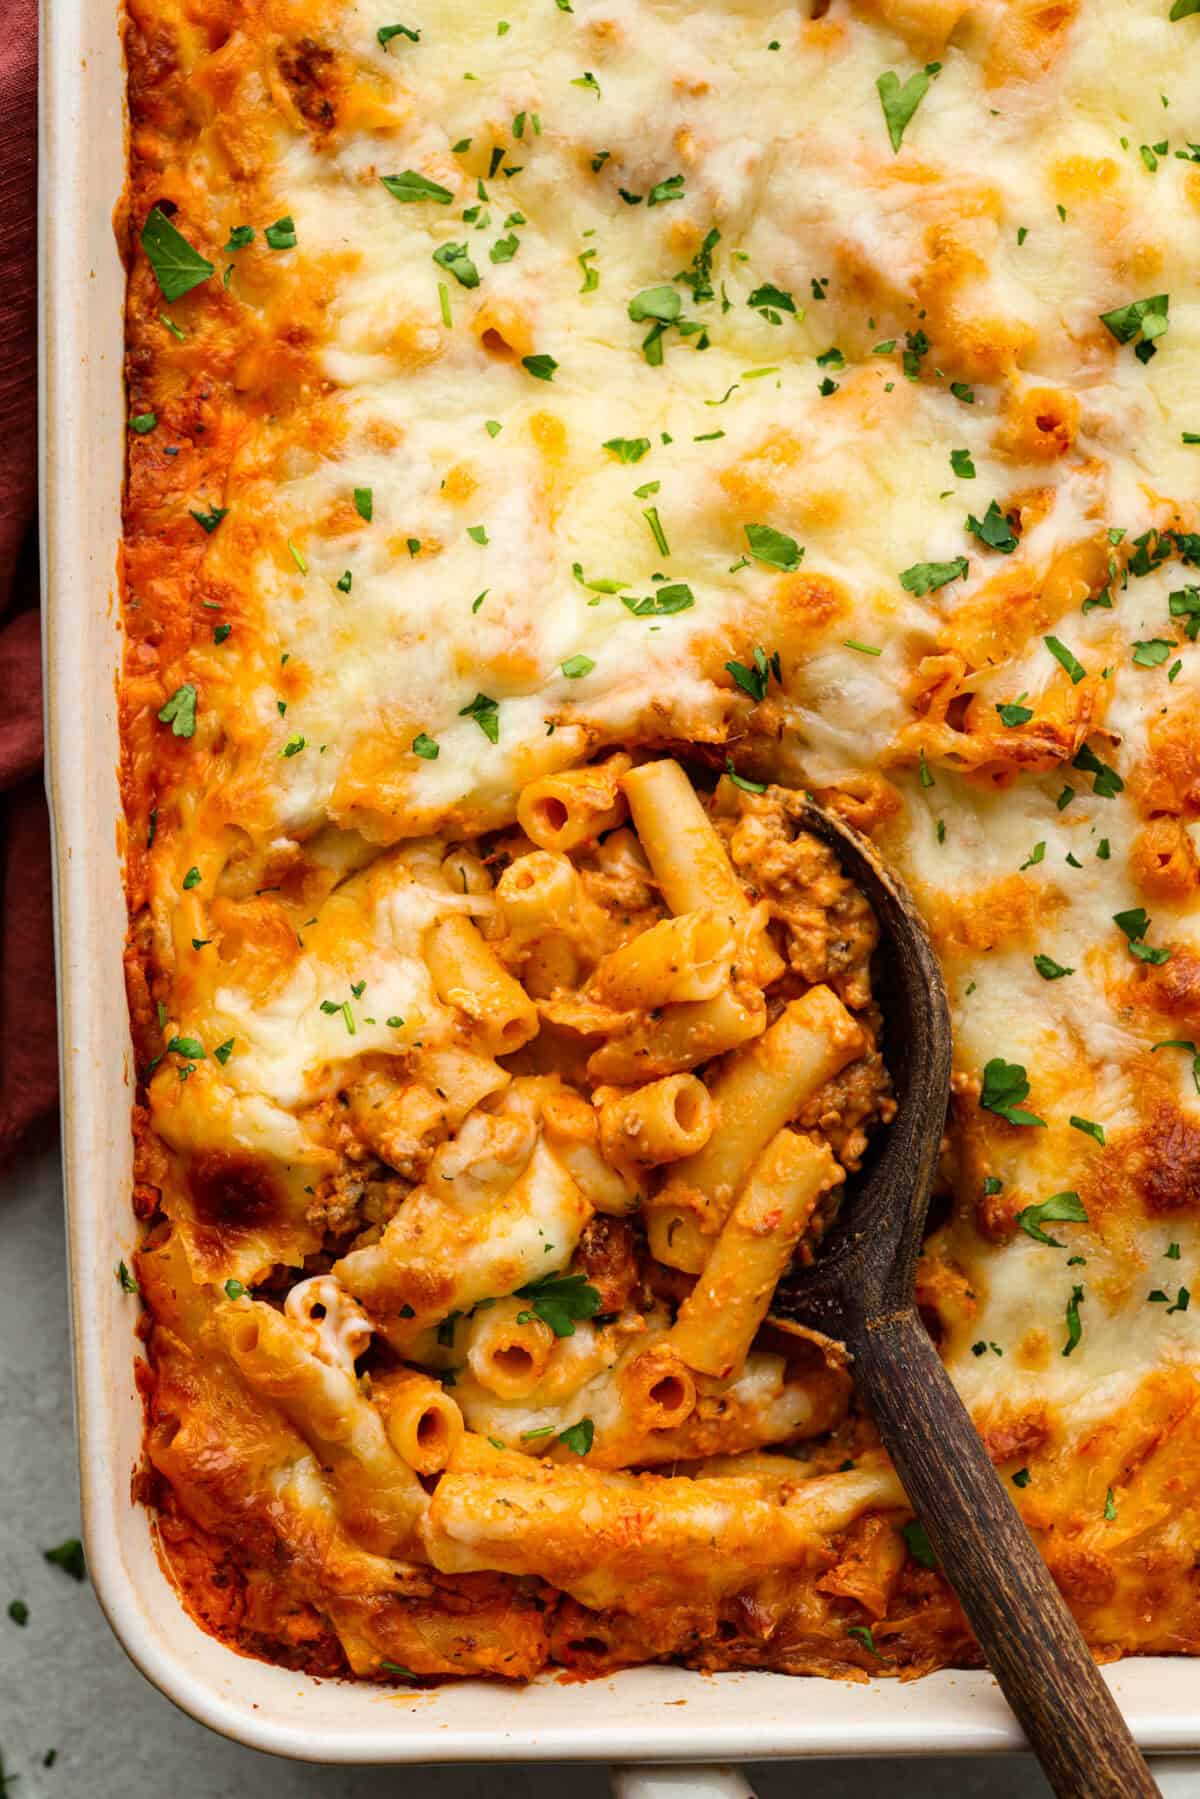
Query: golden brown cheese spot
column 1041, row 424
column 925, row 25
column 234, row 1192
column 605, row 1257
column 1008, row 913
column 310, row 72
column 1164, row 1161
column 1174, row 987
column 1021, row 602
column 1163, row 861
column 1027, row 37
column 1167, row 777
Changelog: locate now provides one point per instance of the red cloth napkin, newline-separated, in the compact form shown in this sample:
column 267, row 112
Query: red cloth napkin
column 28, row 1052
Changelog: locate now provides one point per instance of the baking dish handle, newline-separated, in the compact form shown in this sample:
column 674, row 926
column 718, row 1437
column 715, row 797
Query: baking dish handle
column 680, row 1781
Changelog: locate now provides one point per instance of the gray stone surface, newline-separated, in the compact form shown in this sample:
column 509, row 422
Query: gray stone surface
column 65, row 1684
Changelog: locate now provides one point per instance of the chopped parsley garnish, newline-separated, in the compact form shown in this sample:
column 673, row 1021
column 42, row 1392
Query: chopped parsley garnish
column 1147, row 316
column 540, row 367
column 862, row 1634
column 587, row 80
column 344, row 582
column 477, row 533
column 627, row 449
column 1088, row 1126
column 282, row 234
column 1021, row 1478
column 411, row 186
column 1135, row 923
column 698, row 275
column 364, row 503
column 69, row 1557
column 1074, row 1328
column 662, row 191
column 455, row 259
column 1110, row 1508
column 208, row 521
column 18, row 1611
column 1005, row 1085
column 773, row 547
column 962, row 392
column 1107, row 783
column 1064, row 657
column 234, row 1290
column 143, row 422
column 1064, row 1207
column 293, row 746
column 741, row 781
column 591, row 276
column 899, row 102
column 1049, row 969
column 386, row 33
column 221, row 632
column 180, row 711
column 755, row 680
column 178, row 267
column 960, row 462
column 578, row 1438
column 675, row 596
column 562, row 1301
column 577, row 666
column 486, row 713
column 917, row 1542
column 650, row 514
column 601, row 583
column 190, row 1047
column 1153, row 652
column 927, row 577
column 993, row 530
column 125, row 1280
column 224, row 1050
column 1012, row 713
column 772, row 301
column 239, row 237
column 191, row 879
column 425, row 747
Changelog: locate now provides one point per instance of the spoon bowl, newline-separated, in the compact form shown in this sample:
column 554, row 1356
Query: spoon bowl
column 867, row 1263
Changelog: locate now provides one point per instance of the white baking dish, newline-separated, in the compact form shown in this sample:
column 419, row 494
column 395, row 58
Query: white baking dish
column 653, row 1713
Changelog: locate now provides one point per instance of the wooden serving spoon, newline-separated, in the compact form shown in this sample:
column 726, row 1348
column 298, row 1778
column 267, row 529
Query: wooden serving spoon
column 860, row 1291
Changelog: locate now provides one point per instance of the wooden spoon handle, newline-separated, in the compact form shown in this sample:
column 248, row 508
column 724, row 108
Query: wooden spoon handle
column 1029, row 1637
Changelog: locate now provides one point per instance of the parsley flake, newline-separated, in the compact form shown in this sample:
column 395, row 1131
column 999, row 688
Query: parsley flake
column 178, row 267
column 1005, row 1085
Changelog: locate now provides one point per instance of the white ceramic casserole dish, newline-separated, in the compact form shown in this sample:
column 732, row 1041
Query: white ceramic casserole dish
column 657, row 1713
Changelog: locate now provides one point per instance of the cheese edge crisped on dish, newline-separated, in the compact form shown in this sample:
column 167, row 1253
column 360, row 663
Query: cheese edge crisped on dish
column 660, row 345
